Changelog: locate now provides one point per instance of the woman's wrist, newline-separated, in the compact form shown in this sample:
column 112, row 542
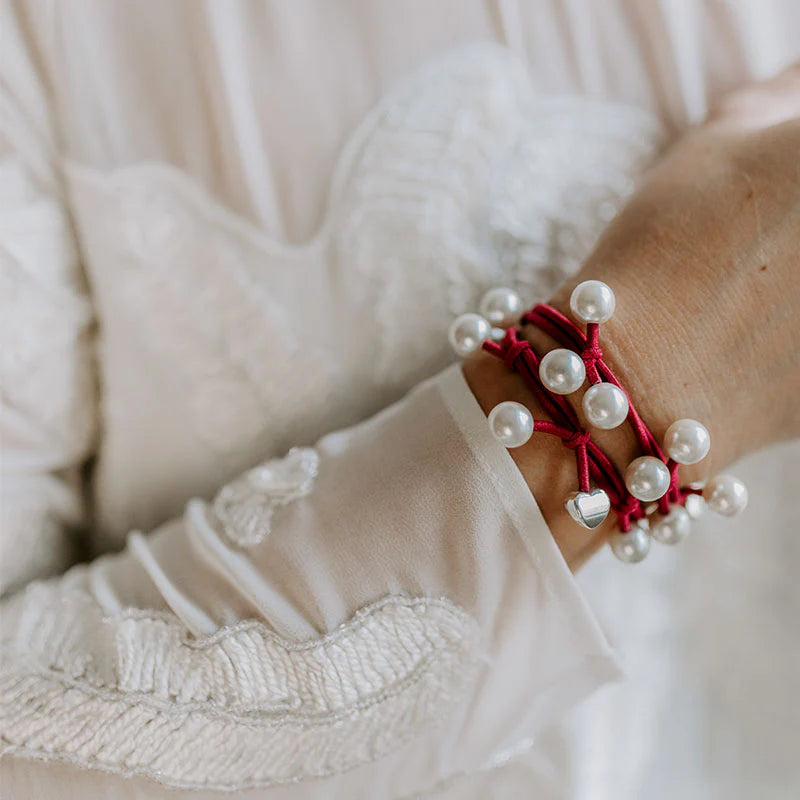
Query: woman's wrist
column 636, row 345
column 703, row 262
column 548, row 469
column 660, row 370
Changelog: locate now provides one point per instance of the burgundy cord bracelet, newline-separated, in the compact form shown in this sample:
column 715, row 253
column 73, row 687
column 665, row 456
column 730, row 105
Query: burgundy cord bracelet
column 648, row 499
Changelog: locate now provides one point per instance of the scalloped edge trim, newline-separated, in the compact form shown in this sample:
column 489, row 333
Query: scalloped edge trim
column 62, row 709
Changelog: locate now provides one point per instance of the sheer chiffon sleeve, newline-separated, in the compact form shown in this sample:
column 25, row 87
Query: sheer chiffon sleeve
column 383, row 611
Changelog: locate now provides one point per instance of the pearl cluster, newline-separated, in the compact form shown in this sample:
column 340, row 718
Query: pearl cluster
column 648, row 478
column 510, row 423
column 605, row 406
column 499, row 308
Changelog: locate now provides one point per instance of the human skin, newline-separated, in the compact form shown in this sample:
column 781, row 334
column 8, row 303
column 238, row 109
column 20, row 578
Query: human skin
column 705, row 265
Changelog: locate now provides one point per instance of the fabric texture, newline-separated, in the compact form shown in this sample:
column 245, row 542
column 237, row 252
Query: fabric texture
column 135, row 664
column 191, row 289
column 233, row 710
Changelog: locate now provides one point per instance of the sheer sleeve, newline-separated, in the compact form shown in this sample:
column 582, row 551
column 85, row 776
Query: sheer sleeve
column 47, row 416
column 386, row 606
column 374, row 616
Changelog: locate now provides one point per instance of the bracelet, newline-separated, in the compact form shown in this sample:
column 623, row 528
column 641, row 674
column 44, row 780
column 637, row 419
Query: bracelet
column 648, row 499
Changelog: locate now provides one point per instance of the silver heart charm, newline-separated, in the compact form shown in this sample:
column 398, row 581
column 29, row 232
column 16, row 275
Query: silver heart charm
column 588, row 508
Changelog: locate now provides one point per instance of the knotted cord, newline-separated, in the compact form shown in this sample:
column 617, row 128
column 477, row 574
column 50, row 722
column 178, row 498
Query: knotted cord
column 591, row 462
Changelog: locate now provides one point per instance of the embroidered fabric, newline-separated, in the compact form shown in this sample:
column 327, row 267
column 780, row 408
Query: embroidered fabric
column 246, row 505
column 256, row 708
column 460, row 179
column 233, row 404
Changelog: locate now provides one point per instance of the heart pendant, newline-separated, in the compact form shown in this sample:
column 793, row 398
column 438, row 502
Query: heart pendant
column 588, row 508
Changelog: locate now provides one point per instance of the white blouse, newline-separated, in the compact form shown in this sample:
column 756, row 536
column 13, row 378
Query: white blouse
column 348, row 590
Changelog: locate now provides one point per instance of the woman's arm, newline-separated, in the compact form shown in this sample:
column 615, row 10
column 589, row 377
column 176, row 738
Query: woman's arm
column 705, row 265
column 411, row 584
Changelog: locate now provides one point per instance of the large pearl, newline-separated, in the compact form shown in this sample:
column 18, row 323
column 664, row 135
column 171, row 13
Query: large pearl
column 592, row 301
column 501, row 306
column 467, row 333
column 726, row 495
column 562, row 371
column 511, row 423
column 687, row 441
column 630, row 547
column 695, row 506
column 647, row 478
column 672, row 528
column 605, row 406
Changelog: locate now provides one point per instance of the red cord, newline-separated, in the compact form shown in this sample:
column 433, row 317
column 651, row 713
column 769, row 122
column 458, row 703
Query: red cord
column 592, row 463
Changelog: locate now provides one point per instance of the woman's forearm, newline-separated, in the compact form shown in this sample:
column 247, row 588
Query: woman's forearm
column 704, row 265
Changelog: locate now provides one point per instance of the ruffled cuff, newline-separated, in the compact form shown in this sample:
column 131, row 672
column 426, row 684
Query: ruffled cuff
column 384, row 611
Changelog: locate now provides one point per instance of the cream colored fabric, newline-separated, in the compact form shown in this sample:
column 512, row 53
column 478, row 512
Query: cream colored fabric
column 213, row 252
column 384, row 618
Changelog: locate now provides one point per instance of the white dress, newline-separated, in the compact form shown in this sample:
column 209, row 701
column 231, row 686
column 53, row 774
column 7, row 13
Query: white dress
column 348, row 590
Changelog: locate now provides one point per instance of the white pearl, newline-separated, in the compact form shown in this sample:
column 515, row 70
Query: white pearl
column 592, row 301
column 695, row 506
column 687, row 441
column 630, row 547
column 562, row 371
column 511, row 423
column 605, row 406
column 672, row 528
column 726, row 495
column 647, row 478
column 467, row 333
column 501, row 306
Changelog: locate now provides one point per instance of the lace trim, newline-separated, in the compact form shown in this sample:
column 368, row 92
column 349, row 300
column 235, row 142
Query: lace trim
column 246, row 505
column 46, row 374
column 133, row 694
